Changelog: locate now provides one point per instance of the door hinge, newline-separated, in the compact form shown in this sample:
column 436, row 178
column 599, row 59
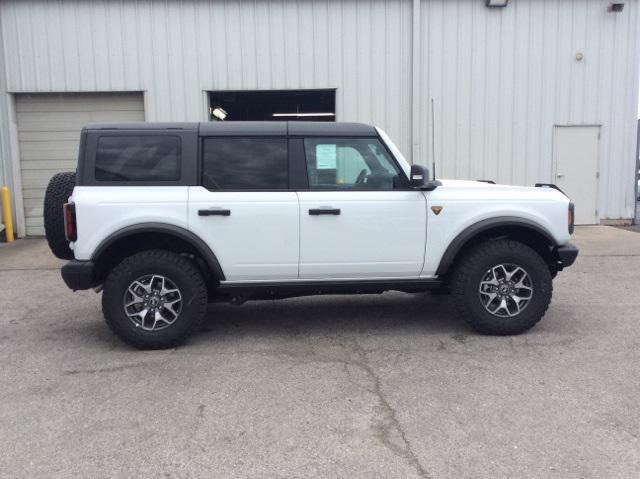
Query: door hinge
column 597, row 174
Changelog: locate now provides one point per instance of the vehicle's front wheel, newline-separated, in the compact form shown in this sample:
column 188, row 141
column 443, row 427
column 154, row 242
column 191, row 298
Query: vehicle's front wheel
column 502, row 287
column 154, row 299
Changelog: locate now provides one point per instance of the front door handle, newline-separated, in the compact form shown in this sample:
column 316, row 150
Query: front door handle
column 214, row 212
column 324, row 211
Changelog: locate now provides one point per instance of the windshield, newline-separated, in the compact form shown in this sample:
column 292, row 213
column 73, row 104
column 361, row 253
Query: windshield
column 404, row 164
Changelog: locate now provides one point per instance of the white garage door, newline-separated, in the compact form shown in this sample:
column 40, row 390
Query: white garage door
column 49, row 133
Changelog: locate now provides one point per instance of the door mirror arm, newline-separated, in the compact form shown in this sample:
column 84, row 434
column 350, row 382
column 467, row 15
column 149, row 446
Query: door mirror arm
column 429, row 185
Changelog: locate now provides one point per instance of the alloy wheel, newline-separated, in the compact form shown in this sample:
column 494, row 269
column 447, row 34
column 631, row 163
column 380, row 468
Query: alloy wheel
column 152, row 302
column 505, row 290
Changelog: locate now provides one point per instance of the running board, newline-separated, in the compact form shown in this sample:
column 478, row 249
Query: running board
column 239, row 292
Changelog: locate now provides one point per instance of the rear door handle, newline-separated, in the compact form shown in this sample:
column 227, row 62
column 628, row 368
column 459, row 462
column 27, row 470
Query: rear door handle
column 214, row 212
column 324, row 211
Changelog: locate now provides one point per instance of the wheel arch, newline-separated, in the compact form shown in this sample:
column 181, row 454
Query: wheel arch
column 520, row 229
column 144, row 236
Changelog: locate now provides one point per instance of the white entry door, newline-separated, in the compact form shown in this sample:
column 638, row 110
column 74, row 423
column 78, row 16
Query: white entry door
column 243, row 209
column 575, row 161
column 358, row 219
column 360, row 234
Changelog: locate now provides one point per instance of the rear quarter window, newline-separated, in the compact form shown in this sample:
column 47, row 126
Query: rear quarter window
column 138, row 158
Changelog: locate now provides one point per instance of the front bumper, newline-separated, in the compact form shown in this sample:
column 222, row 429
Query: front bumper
column 567, row 255
column 78, row 274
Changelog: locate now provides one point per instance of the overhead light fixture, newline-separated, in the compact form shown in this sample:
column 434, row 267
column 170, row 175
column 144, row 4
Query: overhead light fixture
column 615, row 7
column 302, row 114
column 496, row 3
column 218, row 113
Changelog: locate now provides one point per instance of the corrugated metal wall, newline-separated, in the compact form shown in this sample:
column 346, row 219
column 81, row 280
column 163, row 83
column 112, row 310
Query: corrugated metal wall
column 500, row 78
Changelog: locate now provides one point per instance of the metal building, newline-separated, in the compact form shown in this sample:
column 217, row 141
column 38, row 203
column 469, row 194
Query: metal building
column 535, row 91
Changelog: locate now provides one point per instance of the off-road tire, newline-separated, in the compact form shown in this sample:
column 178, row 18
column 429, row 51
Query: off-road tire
column 472, row 267
column 186, row 276
column 59, row 190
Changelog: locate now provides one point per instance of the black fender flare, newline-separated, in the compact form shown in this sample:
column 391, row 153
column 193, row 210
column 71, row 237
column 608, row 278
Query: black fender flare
column 480, row 227
column 198, row 244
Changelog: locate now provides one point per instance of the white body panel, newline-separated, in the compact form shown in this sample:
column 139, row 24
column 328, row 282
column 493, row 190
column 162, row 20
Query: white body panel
column 465, row 203
column 271, row 236
column 377, row 234
column 258, row 240
column 103, row 210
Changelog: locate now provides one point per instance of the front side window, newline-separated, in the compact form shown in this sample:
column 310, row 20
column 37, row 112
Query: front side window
column 349, row 164
column 245, row 164
column 138, row 158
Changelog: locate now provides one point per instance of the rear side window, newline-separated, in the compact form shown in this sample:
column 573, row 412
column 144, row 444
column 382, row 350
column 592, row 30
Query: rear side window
column 245, row 164
column 138, row 158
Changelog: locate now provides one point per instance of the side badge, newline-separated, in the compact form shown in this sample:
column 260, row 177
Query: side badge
column 436, row 209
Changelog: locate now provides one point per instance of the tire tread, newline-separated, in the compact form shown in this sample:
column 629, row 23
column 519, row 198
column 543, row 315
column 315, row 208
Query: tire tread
column 472, row 260
column 119, row 273
column 58, row 191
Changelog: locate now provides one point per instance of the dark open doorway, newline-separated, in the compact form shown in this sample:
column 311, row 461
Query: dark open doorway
column 268, row 105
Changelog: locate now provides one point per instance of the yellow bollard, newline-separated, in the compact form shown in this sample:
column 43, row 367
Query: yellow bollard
column 6, row 213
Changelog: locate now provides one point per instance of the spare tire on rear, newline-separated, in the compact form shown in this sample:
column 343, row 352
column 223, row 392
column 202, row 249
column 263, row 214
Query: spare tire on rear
column 58, row 192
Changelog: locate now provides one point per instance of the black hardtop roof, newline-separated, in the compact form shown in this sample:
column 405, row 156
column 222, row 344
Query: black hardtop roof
column 248, row 128
column 142, row 125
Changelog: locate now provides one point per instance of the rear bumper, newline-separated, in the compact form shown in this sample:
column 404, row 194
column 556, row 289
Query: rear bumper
column 567, row 255
column 78, row 274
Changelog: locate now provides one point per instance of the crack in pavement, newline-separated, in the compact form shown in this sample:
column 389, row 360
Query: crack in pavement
column 388, row 430
column 389, row 424
column 190, row 443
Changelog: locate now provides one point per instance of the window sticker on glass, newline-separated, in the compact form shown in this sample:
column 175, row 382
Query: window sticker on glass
column 326, row 157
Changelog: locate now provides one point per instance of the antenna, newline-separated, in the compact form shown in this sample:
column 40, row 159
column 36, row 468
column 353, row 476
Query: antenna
column 433, row 141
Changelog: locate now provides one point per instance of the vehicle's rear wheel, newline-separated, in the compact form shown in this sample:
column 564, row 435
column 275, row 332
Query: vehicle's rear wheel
column 154, row 299
column 502, row 287
column 59, row 190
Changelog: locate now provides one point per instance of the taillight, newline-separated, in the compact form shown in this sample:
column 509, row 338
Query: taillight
column 70, row 230
column 571, row 217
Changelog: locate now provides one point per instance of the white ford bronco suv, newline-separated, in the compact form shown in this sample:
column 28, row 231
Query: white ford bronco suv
column 166, row 218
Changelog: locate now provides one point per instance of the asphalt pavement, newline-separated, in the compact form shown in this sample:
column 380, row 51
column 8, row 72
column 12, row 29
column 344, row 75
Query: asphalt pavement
column 389, row 386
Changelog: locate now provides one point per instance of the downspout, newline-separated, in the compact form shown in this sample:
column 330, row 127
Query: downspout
column 416, row 39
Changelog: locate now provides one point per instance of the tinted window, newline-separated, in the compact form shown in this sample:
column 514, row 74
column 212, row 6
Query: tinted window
column 349, row 164
column 138, row 158
column 245, row 164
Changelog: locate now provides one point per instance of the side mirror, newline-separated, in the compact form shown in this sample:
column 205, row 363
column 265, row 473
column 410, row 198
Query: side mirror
column 418, row 176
